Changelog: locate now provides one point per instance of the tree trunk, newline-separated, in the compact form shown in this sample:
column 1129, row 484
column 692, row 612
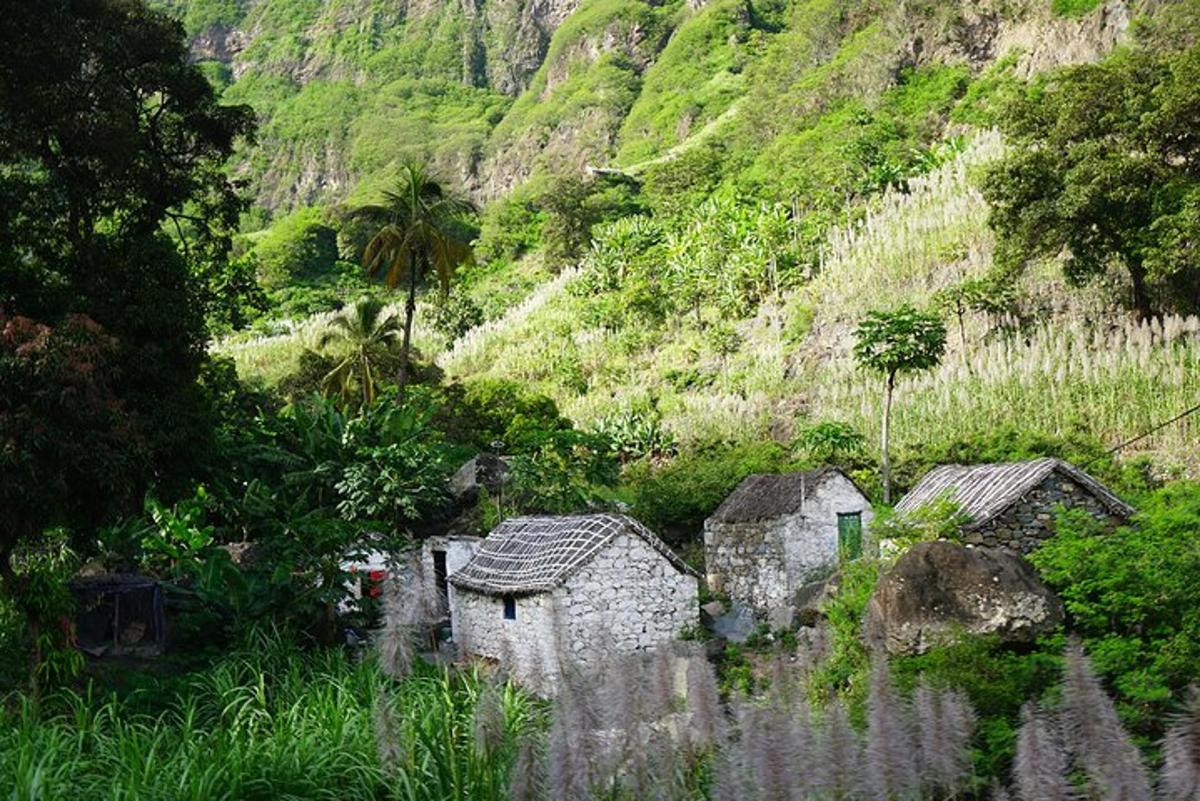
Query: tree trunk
column 886, row 467
column 1140, row 296
column 410, row 311
column 962, row 335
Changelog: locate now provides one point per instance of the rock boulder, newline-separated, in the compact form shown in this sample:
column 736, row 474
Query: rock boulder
column 484, row 471
column 938, row 590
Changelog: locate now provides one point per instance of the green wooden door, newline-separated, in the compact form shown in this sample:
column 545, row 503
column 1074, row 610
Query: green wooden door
column 850, row 535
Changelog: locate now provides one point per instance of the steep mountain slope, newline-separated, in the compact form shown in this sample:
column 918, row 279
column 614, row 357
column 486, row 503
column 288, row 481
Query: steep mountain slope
column 800, row 162
column 494, row 90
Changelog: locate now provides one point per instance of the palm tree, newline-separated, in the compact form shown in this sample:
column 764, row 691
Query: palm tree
column 370, row 329
column 417, row 232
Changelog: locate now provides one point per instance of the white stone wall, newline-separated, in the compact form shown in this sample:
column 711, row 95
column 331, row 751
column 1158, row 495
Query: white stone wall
column 526, row 646
column 628, row 598
column 761, row 564
column 459, row 551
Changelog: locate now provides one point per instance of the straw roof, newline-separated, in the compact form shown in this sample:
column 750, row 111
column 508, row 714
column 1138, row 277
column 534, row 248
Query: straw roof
column 529, row 555
column 766, row 497
column 984, row 491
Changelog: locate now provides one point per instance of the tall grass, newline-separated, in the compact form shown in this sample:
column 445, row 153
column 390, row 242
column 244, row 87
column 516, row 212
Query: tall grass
column 269, row 724
column 273, row 724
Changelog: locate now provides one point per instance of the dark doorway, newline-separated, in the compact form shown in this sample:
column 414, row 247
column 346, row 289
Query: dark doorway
column 439, row 578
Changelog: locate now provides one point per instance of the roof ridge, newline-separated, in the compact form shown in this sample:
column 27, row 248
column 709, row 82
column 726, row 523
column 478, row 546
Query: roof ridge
column 532, row 554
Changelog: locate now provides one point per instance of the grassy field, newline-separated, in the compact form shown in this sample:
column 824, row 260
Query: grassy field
column 268, row 723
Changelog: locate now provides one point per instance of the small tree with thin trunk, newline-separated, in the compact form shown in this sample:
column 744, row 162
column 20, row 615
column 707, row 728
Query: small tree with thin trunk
column 418, row 231
column 893, row 343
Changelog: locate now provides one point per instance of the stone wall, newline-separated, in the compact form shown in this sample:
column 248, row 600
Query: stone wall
column 762, row 563
column 526, row 646
column 628, row 598
column 746, row 560
column 1027, row 523
column 459, row 551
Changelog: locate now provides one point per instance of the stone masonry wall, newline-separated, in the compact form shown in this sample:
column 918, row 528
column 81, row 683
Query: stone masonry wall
column 628, row 598
column 1030, row 521
column 745, row 560
column 762, row 563
column 526, row 646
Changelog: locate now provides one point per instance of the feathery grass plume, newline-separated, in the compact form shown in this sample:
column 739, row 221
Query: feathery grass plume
column 528, row 778
column 954, row 765
column 801, row 748
column 839, row 755
column 410, row 604
column 999, row 792
column 617, row 706
column 395, row 639
column 732, row 773
column 1180, row 776
column 945, row 723
column 488, row 718
column 764, row 733
column 657, row 681
column 812, row 647
column 891, row 755
column 1095, row 738
column 1040, row 768
column 573, row 742
column 389, row 735
column 707, row 719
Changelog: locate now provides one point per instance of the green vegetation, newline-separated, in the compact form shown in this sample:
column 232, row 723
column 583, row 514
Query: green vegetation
column 208, row 388
column 260, row 724
column 892, row 344
column 1074, row 8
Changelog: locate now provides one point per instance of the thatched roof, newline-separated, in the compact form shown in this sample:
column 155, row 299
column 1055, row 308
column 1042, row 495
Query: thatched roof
column 529, row 555
column 984, row 491
column 766, row 496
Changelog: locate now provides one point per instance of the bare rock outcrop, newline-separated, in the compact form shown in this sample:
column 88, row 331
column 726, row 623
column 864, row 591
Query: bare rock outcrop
column 939, row 590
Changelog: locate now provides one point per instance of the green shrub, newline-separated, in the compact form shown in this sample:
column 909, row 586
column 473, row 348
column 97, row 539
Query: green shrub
column 1074, row 8
column 455, row 314
column 675, row 499
column 1134, row 596
column 299, row 246
column 484, row 411
column 845, row 671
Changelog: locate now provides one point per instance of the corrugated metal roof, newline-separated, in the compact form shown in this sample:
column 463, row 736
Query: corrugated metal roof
column 767, row 496
column 529, row 555
column 985, row 490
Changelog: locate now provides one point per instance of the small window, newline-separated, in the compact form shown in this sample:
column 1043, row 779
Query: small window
column 510, row 608
column 850, row 543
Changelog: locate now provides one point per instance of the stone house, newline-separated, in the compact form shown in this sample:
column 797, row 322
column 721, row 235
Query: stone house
column 548, row 594
column 776, row 533
column 1011, row 505
column 438, row 557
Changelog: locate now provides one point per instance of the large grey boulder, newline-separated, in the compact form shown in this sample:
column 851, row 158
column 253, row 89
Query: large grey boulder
column 484, row 471
column 939, row 590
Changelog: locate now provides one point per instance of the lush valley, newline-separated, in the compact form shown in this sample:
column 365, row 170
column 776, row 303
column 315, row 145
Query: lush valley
column 271, row 271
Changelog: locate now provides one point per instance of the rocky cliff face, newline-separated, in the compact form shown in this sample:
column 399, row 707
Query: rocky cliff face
column 494, row 91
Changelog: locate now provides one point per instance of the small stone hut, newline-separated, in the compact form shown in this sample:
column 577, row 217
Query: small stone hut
column 547, row 594
column 1011, row 505
column 776, row 533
